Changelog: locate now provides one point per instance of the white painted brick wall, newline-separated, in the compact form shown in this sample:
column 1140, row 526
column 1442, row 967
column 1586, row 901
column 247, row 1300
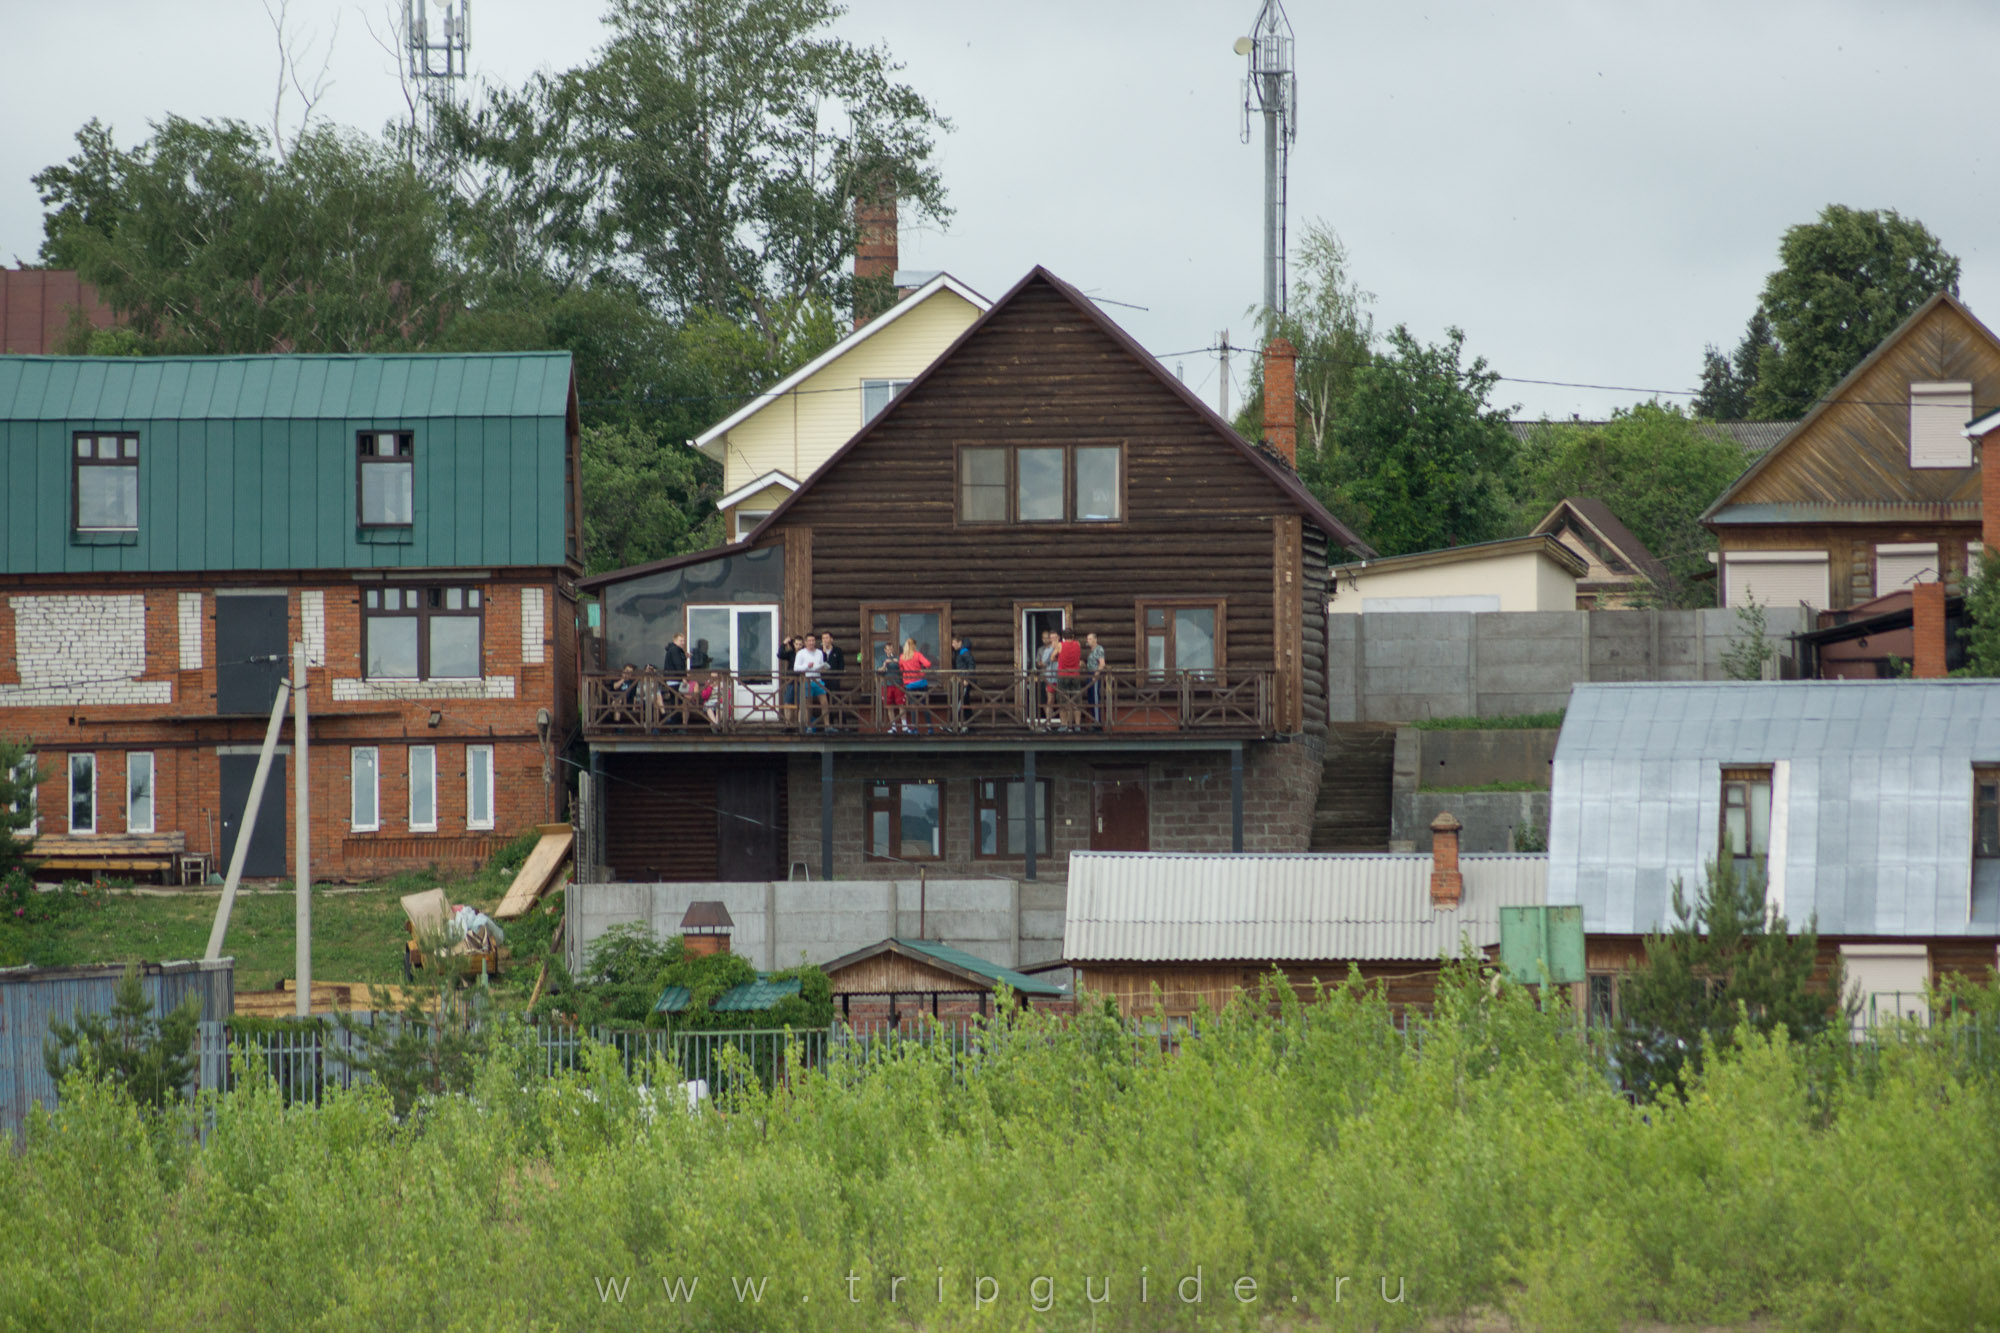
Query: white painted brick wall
column 312, row 617
column 531, row 626
column 83, row 649
column 365, row 691
column 190, row 631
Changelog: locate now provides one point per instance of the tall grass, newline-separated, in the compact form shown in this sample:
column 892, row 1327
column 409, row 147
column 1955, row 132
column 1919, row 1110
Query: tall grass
column 1485, row 1166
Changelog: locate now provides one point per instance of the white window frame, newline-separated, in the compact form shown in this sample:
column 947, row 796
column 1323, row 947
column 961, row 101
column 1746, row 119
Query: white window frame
column 746, row 520
column 354, row 822
column 428, row 755
column 133, row 764
column 894, row 386
column 475, row 757
column 34, row 797
column 90, row 759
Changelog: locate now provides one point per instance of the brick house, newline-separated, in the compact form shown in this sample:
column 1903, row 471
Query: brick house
column 1045, row 473
column 171, row 526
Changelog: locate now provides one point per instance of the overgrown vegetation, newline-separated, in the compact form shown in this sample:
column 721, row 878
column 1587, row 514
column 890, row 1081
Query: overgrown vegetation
column 147, row 1055
column 1981, row 634
column 1750, row 648
column 1728, row 962
column 1487, row 1169
column 1549, row 721
column 628, row 969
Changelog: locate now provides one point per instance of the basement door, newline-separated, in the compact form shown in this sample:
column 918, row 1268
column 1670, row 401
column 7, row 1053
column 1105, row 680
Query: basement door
column 746, row 832
column 1119, row 818
column 267, row 843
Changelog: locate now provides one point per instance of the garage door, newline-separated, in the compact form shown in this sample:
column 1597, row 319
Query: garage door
column 1777, row 578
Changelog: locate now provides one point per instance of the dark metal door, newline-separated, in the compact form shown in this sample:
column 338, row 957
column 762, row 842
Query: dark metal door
column 746, row 832
column 1119, row 819
column 267, row 842
column 249, row 652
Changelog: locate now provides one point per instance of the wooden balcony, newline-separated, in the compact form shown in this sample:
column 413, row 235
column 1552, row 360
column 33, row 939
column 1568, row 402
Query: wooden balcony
column 978, row 704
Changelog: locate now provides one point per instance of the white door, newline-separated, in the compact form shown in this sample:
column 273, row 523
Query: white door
column 741, row 642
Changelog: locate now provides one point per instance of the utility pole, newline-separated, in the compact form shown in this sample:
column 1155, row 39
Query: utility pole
column 302, row 821
column 1222, row 339
column 243, row 835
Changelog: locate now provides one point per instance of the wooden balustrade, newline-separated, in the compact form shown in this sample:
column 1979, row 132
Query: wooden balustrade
column 971, row 703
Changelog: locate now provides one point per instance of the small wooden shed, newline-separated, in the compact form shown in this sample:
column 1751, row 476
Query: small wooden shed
column 886, row 982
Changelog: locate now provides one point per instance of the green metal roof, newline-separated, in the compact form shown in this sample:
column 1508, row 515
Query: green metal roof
column 959, row 958
column 287, row 388
column 762, row 993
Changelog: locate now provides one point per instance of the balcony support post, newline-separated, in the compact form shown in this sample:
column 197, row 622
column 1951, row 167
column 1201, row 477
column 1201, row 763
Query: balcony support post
column 826, row 813
column 1236, row 797
column 1028, row 795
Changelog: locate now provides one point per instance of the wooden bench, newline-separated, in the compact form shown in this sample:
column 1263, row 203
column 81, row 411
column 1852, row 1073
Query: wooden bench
column 99, row 853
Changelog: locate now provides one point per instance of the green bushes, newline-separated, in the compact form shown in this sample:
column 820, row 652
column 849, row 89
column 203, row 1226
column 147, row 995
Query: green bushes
column 1485, row 1165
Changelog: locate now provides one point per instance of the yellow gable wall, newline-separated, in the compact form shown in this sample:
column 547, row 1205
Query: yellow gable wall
column 1522, row 580
column 798, row 432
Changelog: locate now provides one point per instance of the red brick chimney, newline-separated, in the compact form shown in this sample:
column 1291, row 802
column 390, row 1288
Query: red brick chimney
column 1927, row 626
column 1447, row 884
column 1281, row 398
column 875, row 256
column 705, row 929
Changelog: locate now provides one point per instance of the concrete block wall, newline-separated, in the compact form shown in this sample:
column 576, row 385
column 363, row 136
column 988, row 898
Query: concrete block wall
column 1407, row 667
column 784, row 923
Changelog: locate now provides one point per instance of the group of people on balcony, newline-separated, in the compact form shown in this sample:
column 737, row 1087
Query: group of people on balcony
column 1064, row 684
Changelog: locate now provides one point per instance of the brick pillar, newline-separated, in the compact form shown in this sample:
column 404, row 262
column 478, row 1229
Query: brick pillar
column 1927, row 618
column 1989, row 491
column 1281, row 398
column 1447, row 884
column 701, row 946
column 875, row 255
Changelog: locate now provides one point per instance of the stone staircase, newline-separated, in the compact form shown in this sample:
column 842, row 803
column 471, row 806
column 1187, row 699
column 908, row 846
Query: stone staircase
column 1355, row 788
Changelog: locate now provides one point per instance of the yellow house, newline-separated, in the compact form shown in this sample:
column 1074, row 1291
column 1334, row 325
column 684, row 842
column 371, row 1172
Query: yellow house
column 778, row 439
column 1536, row 573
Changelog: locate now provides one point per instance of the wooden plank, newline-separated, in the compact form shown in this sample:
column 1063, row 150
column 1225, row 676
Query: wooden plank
column 537, row 871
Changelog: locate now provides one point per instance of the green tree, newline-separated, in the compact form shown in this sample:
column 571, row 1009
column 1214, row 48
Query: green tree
column 1725, row 960
column 1651, row 466
column 206, row 243
column 1328, row 321
column 150, row 1057
column 1416, row 459
column 1981, row 633
column 17, row 806
column 1843, row 285
column 712, row 152
column 1727, row 381
column 1751, row 646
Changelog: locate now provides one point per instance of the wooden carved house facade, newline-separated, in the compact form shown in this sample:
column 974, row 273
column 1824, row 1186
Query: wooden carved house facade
column 1045, row 473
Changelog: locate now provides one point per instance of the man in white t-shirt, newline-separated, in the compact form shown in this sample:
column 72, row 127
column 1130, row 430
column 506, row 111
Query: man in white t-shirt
column 808, row 665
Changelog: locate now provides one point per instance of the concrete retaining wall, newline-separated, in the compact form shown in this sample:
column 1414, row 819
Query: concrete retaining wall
column 1490, row 818
column 782, row 924
column 1476, row 758
column 1410, row 666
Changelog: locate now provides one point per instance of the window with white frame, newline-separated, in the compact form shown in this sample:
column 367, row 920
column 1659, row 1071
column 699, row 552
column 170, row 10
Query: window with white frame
column 83, row 793
column 364, row 813
column 25, row 779
column 875, row 395
column 423, row 789
column 479, row 786
column 139, row 792
column 747, row 521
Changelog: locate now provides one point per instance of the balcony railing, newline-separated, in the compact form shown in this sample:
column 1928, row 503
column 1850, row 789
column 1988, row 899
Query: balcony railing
column 649, row 703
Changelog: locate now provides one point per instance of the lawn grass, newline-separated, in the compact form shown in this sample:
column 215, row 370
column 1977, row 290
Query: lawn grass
column 357, row 930
column 1512, row 722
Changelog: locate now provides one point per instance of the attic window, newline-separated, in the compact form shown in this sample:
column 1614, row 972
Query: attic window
column 1938, row 413
column 1986, row 813
column 105, row 493
column 385, row 491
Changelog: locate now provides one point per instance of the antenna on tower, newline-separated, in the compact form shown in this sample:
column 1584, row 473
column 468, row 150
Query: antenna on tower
column 437, row 46
column 1272, row 87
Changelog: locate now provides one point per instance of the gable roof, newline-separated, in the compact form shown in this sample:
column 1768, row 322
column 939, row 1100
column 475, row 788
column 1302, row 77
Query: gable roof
column 1597, row 516
column 943, row 282
column 1836, row 397
column 1283, row 477
column 1875, row 803
column 956, row 962
column 1299, row 907
column 1535, row 543
column 750, row 488
column 294, row 386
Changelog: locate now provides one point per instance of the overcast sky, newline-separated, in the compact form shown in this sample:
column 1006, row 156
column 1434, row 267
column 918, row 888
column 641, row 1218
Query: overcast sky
column 1590, row 190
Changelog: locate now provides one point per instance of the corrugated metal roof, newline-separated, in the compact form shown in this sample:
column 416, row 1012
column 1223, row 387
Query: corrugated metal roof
column 1875, row 808
column 1848, row 511
column 386, row 389
column 1169, row 907
column 759, row 994
column 969, row 962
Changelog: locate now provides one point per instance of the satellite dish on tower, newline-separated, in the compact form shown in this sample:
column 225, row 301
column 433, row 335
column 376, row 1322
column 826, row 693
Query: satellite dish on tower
column 1244, row 46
